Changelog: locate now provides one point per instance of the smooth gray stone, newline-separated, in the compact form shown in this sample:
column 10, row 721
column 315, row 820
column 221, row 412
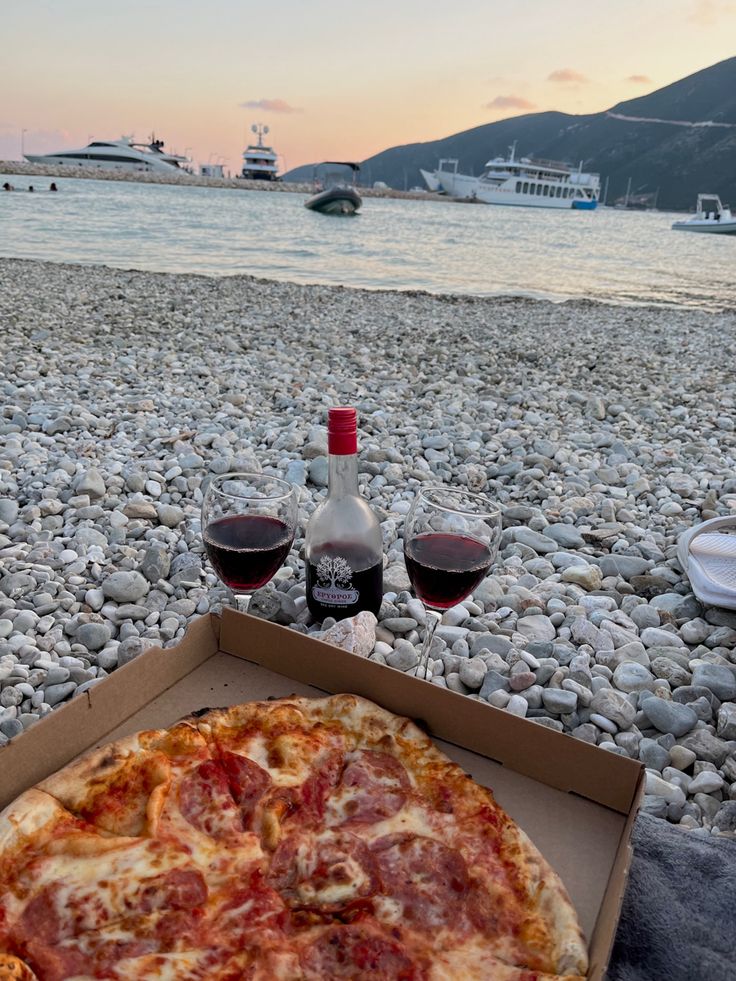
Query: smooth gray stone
column 559, row 700
column 718, row 678
column 533, row 539
column 725, row 819
column 632, row 676
column 131, row 648
column 54, row 694
column 91, row 483
column 93, row 635
column 156, row 562
column 653, row 755
column 613, row 705
column 727, row 721
column 11, row 727
column 125, row 587
column 536, row 627
column 399, row 625
column 707, row 746
column 496, row 643
column 668, row 716
column 493, row 681
column 625, row 566
column 57, row 675
column 566, row 536
column 8, row 510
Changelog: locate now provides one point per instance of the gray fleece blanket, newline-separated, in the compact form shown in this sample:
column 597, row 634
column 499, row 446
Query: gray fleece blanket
column 678, row 921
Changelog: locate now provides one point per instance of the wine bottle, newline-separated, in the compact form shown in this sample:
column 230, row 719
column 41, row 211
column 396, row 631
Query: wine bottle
column 344, row 549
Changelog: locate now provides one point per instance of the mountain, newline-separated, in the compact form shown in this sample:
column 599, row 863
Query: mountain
column 680, row 140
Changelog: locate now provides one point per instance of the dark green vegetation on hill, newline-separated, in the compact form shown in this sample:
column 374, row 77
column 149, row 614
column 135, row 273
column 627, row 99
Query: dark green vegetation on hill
column 679, row 160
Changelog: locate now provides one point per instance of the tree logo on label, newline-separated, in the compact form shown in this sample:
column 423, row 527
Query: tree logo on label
column 335, row 582
column 334, row 572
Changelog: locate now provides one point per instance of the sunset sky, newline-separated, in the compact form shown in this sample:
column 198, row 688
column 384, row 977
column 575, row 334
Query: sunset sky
column 332, row 80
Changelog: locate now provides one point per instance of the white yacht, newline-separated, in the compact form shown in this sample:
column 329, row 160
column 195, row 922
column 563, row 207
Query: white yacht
column 260, row 162
column 525, row 182
column 122, row 154
column 710, row 216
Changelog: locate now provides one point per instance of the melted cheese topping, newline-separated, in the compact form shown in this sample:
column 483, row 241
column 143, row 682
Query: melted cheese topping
column 341, row 879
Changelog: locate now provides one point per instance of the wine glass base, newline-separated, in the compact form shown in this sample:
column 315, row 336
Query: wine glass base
column 228, row 600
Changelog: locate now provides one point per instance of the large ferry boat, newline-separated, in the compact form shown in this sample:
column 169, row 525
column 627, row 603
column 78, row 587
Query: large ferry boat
column 122, row 154
column 522, row 182
column 260, row 162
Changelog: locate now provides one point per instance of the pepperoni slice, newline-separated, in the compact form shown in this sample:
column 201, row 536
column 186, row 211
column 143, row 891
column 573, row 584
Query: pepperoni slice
column 305, row 805
column 358, row 951
column 247, row 781
column 41, row 919
column 318, row 787
column 178, row 889
column 373, row 786
column 206, row 802
column 251, row 906
column 328, row 871
column 59, row 963
column 430, row 879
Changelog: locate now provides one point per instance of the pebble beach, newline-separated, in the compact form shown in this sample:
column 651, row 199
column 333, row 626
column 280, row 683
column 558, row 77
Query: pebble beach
column 603, row 432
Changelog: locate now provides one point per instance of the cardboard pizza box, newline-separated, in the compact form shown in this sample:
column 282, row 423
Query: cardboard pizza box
column 575, row 801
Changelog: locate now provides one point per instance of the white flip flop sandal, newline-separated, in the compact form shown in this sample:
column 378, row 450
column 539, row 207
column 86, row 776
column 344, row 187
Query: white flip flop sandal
column 708, row 557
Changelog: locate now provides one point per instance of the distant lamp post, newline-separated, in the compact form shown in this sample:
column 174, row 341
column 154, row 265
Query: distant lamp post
column 22, row 143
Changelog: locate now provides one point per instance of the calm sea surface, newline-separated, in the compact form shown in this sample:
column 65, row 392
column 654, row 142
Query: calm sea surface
column 614, row 256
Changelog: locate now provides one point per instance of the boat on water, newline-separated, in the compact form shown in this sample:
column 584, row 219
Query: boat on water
column 123, row 154
column 710, row 216
column 525, row 182
column 260, row 162
column 338, row 196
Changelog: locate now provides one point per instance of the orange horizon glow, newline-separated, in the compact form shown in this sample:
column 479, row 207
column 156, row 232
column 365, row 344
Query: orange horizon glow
column 330, row 83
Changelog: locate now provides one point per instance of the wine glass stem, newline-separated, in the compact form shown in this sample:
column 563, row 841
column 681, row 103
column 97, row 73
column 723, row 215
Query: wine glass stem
column 433, row 618
column 242, row 601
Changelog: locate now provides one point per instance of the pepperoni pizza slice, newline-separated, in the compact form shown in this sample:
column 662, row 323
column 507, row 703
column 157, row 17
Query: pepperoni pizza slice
column 293, row 839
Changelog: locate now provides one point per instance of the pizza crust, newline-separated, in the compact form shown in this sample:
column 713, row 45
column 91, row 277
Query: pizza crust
column 13, row 969
column 31, row 816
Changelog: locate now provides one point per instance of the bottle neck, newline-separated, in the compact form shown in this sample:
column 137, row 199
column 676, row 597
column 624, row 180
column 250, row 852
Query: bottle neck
column 343, row 475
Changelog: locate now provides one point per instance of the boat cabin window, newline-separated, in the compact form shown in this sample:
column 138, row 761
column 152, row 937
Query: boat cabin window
column 545, row 192
column 518, row 187
column 539, row 189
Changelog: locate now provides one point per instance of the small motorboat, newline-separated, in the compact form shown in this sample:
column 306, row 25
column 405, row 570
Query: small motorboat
column 340, row 196
column 710, row 216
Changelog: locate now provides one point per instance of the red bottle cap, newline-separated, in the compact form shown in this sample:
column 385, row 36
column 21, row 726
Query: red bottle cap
column 342, row 431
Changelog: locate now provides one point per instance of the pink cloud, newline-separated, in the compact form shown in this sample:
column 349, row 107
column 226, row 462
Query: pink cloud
column 269, row 105
column 639, row 79
column 567, row 75
column 510, row 102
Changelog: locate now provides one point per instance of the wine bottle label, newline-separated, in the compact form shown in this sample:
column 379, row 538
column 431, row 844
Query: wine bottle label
column 334, row 584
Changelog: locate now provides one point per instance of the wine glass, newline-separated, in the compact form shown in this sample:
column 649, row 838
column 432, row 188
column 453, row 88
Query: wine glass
column 248, row 525
column 451, row 538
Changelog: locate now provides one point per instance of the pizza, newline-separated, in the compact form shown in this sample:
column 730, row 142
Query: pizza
column 290, row 839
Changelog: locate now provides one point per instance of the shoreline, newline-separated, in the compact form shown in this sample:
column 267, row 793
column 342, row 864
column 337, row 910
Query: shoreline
column 602, row 431
column 25, row 169
column 500, row 298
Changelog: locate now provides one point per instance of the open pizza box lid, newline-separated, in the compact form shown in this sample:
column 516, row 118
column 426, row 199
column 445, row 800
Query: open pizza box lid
column 575, row 801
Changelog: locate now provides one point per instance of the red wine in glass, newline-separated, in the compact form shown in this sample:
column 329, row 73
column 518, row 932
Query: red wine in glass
column 246, row 550
column 445, row 568
column 451, row 538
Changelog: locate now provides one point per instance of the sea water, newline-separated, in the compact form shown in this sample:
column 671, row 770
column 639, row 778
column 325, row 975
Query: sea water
column 439, row 246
